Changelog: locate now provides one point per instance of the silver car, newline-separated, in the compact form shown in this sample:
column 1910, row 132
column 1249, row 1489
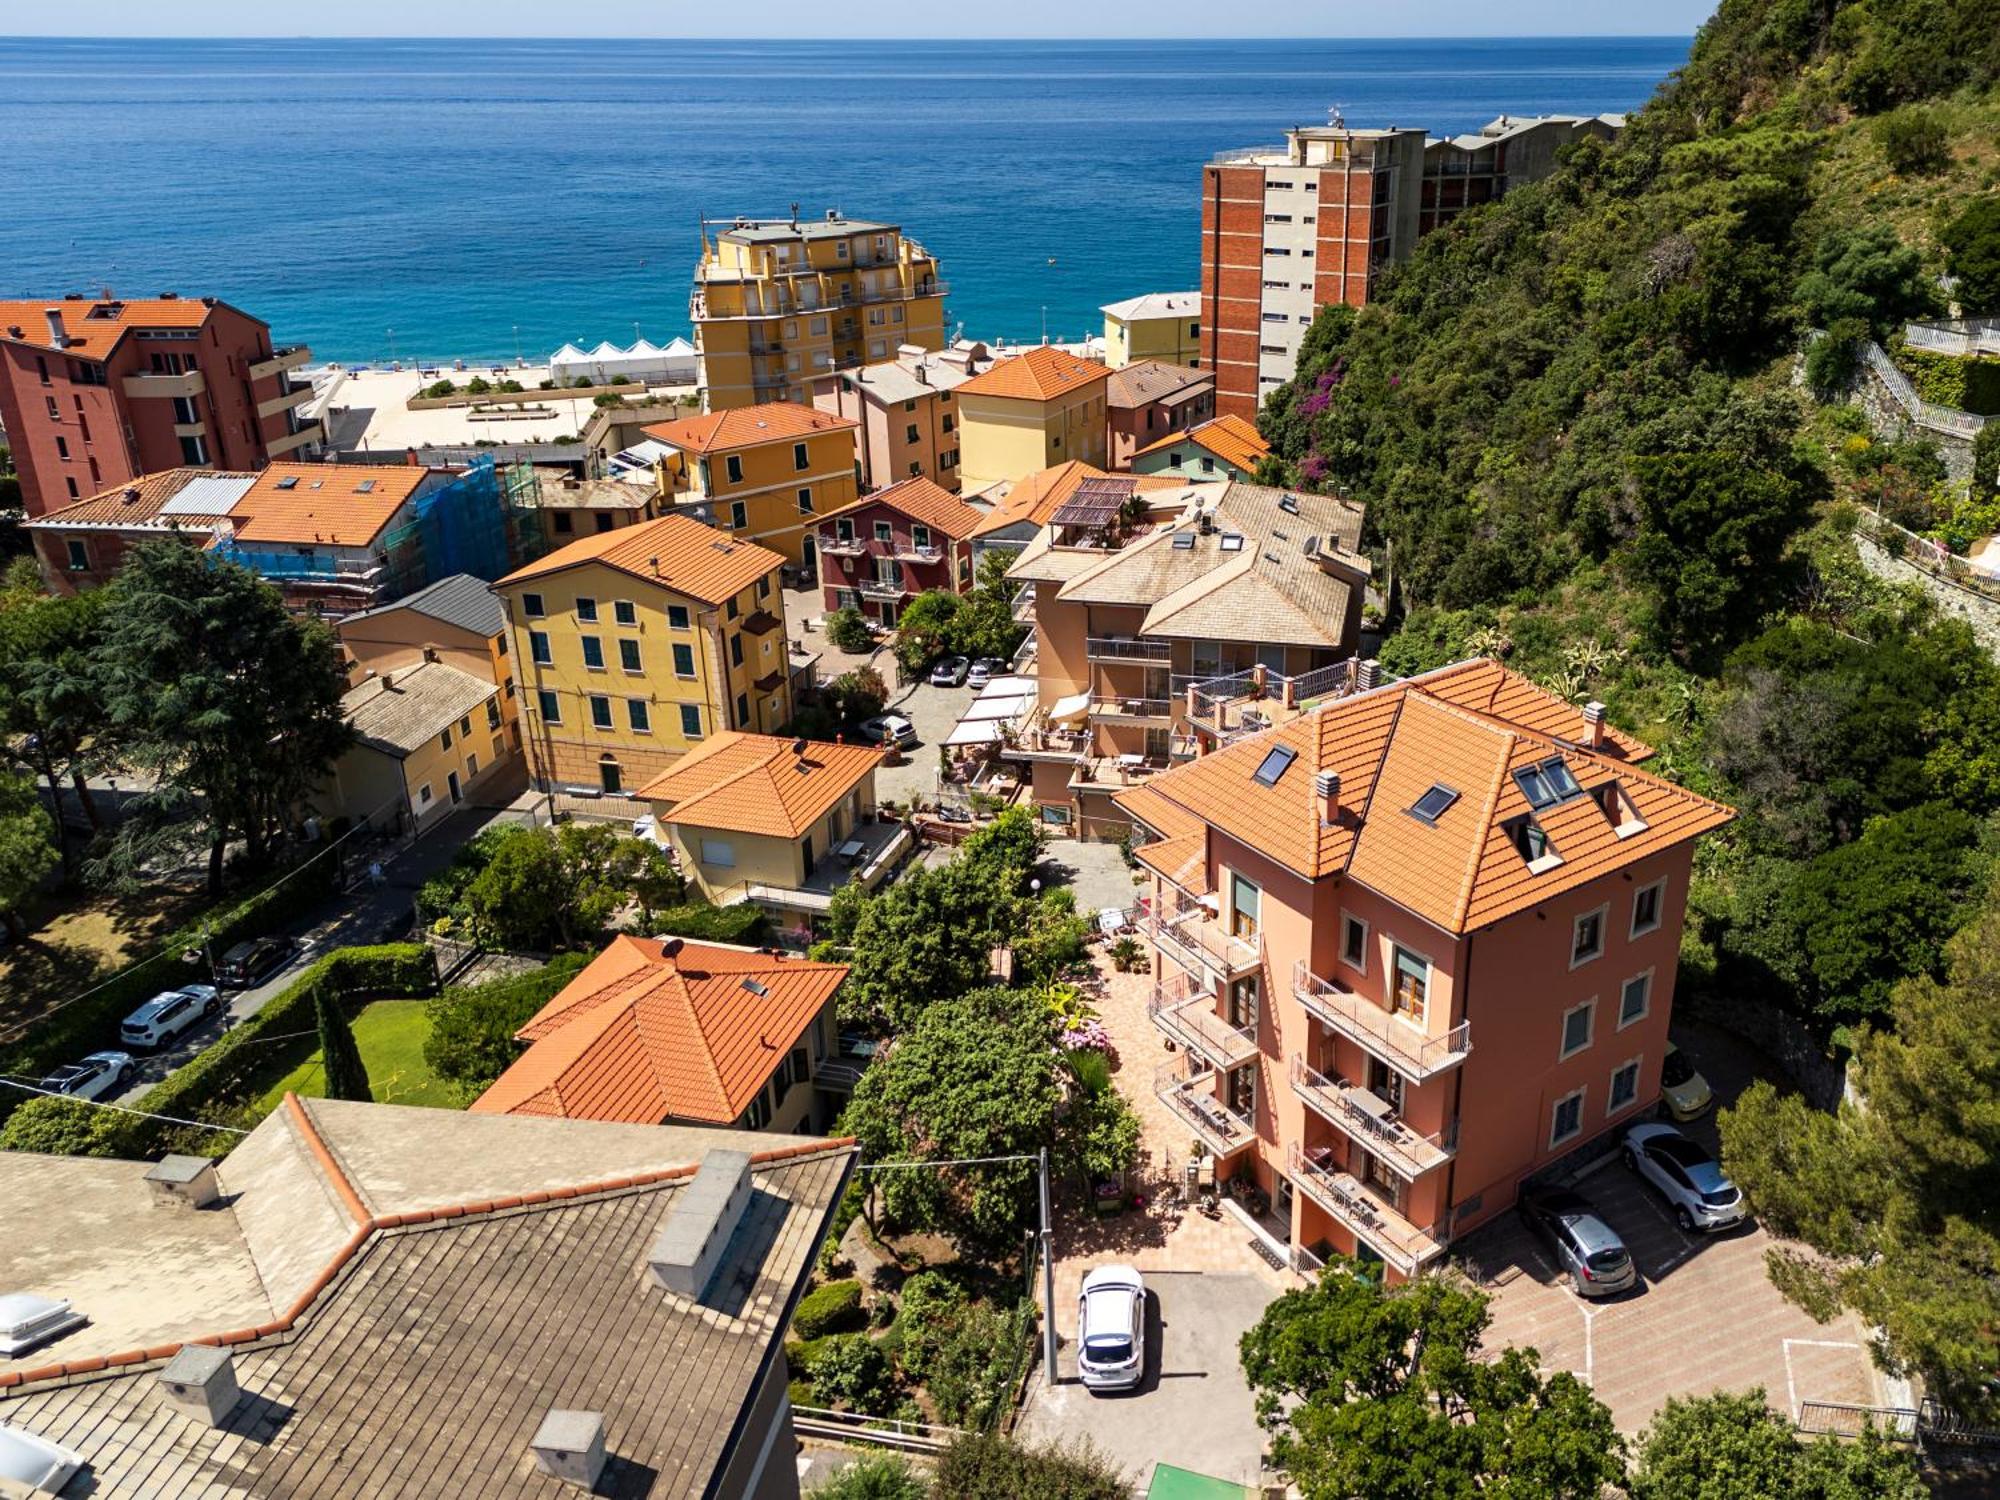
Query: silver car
column 1111, row 1329
column 1686, row 1176
column 1586, row 1249
column 91, row 1077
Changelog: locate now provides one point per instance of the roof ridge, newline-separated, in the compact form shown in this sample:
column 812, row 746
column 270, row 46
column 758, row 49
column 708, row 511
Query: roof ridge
column 322, row 1154
column 1375, row 781
column 1463, row 905
column 679, row 992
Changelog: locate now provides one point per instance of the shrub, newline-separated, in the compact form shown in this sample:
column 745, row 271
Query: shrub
column 1831, row 361
column 832, row 1308
column 848, row 1367
column 510, row 387
column 743, row 924
column 479, row 385
column 977, row 1467
column 471, row 1041
column 441, row 388
column 1986, row 460
column 848, row 629
column 581, row 383
column 56, row 1126
column 546, row 385
column 1915, row 142
column 1124, row 954
column 874, row 1476
column 1972, row 241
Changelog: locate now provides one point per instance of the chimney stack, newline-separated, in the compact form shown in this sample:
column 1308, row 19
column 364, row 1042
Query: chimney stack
column 183, row 1182
column 569, row 1445
column 1593, row 724
column 1370, row 675
column 200, row 1382
column 56, row 335
column 705, row 1214
column 1326, row 786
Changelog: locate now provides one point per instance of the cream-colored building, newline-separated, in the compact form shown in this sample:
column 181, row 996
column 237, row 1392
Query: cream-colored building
column 1028, row 413
column 427, row 736
column 1160, row 325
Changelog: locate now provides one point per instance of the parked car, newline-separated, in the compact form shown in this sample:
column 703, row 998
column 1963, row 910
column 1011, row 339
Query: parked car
column 168, row 1014
column 950, row 672
column 1586, row 1249
column 1685, row 1091
column 889, row 729
column 1111, row 1329
column 91, row 1077
column 1686, row 1176
column 251, row 963
column 985, row 670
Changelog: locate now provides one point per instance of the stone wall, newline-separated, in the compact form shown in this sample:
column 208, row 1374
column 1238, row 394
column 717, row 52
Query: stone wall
column 1960, row 603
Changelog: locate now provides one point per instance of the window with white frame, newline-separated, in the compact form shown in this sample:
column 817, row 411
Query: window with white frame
column 625, row 612
column 1354, row 943
column 1587, row 938
column 1635, row 999
column 1566, row 1119
column 1577, row 1023
column 1646, row 904
column 1624, row 1087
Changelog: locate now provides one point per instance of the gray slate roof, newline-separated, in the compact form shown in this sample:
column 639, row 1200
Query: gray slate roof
column 461, row 600
column 399, row 711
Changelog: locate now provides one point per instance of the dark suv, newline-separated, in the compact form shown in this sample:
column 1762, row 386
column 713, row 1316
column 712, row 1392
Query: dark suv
column 1587, row 1250
column 251, row 963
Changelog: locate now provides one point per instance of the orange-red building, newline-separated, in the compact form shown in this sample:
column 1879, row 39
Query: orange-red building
column 886, row 548
column 95, row 392
column 1412, row 947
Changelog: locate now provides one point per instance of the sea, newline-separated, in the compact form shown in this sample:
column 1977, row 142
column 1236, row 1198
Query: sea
column 432, row 199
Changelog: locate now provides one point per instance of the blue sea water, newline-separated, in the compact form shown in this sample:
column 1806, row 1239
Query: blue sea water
column 474, row 197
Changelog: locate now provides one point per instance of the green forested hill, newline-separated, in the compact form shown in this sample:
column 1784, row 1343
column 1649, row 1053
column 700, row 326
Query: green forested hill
column 1576, row 419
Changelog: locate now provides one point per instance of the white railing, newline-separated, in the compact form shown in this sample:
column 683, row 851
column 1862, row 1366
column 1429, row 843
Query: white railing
column 841, row 546
column 1193, row 936
column 1399, row 1042
column 1219, row 1127
column 887, row 1432
column 1118, row 706
column 879, row 588
column 1924, row 413
column 1185, row 1011
column 1961, row 337
column 912, row 552
column 1126, row 648
column 1406, row 1246
column 1371, row 1122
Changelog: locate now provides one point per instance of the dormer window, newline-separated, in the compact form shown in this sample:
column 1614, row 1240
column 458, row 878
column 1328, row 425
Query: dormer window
column 1620, row 809
column 1531, row 842
column 1434, row 803
column 1547, row 783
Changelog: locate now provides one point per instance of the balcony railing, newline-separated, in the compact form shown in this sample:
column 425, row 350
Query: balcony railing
column 879, row 588
column 841, row 546
column 1185, row 1011
column 1024, row 604
column 1126, row 648
column 1365, row 1117
column 910, row 552
column 1105, row 706
column 1406, row 1246
column 795, row 307
column 1398, row 1041
column 283, row 359
column 298, row 395
column 1194, row 938
column 1192, row 1099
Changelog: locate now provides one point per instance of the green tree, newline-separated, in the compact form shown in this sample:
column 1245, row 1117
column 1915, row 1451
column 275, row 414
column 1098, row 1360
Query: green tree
column 850, row 1368
column 923, row 630
column 471, row 1038
column 848, row 629
column 928, row 937
column 1898, row 1193
column 967, row 1354
column 541, row 889
column 1915, row 142
column 971, row 1077
column 27, row 848
column 874, row 1476
column 1732, row 1446
column 1972, row 245
column 981, row 1467
column 1866, row 273
column 229, row 702
column 49, row 703
column 856, row 695
column 1375, row 1390
column 1986, row 460
column 56, row 1126
column 340, row 1059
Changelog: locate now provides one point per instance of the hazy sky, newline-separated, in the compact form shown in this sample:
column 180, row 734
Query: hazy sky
column 1138, row 19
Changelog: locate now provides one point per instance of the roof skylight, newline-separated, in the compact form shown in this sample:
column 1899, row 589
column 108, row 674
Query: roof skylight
column 1277, row 760
column 1432, row 805
column 1547, row 783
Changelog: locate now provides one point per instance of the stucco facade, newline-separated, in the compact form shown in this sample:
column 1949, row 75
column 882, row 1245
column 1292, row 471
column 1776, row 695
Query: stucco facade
column 771, row 491
column 1160, row 325
column 1006, row 437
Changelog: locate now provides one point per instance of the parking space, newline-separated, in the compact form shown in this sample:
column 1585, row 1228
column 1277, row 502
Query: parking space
column 1192, row 1407
column 935, row 711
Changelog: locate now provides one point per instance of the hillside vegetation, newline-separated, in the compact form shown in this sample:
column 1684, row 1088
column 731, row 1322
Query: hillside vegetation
column 1589, row 445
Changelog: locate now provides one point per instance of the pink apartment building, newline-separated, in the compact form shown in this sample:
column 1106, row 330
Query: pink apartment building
column 1412, row 947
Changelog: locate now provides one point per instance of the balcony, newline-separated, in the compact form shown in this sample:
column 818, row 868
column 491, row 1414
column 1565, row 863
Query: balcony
column 1126, row 648
column 297, row 396
column 1024, row 605
column 781, row 306
column 1398, row 1041
column 284, row 359
column 1192, row 1099
column 1193, row 937
column 311, row 432
column 1120, row 709
column 907, row 551
column 1110, row 773
column 879, row 588
column 841, row 546
column 1366, row 1118
column 1371, row 1219
column 1185, row 1011
column 143, row 387
column 191, row 429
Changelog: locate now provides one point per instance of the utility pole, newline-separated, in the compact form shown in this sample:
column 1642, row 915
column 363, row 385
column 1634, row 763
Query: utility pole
column 1048, row 1278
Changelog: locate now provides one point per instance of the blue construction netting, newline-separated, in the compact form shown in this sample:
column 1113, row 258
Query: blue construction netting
column 462, row 526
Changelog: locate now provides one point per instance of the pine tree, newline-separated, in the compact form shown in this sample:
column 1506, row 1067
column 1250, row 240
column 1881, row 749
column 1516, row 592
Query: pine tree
column 346, row 1075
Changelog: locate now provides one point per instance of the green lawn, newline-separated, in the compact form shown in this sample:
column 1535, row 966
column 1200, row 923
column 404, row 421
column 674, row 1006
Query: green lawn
column 390, row 1034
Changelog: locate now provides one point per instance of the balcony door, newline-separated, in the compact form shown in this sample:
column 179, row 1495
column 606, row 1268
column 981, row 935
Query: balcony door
column 1385, row 1083
column 1245, row 906
column 1243, row 1003
column 1240, row 1091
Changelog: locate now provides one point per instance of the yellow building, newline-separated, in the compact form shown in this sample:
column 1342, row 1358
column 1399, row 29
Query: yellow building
column 425, row 737
column 636, row 645
column 766, row 473
column 1160, row 325
column 1029, row 413
column 779, row 303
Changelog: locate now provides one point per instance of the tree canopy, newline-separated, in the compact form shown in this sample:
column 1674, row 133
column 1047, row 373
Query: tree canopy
column 1733, row 1446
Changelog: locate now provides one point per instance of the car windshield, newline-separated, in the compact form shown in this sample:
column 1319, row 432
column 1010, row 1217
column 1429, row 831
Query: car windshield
column 1603, row 1261
column 1109, row 1349
column 1716, row 1190
column 1677, row 1071
column 62, row 1077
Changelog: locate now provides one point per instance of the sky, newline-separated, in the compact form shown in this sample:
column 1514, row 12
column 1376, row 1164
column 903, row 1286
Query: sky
column 1137, row 19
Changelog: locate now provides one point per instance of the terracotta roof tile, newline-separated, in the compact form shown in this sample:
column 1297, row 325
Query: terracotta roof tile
column 642, row 1036
column 1148, row 380
column 676, row 552
column 1233, row 439
column 96, row 336
column 748, row 427
column 924, row 500
column 752, row 783
column 338, row 505
column 137, row 502
column 1042, row 374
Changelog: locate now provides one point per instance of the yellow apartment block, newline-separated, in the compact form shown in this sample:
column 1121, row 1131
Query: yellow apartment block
column 1030, row 413
column 766, row 474
column 425, row 737
column 636, row 645
column 779, row 303
column 1160, row 325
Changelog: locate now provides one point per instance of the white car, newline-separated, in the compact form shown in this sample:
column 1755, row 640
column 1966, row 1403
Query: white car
column 1111, row 1329
column 984, row 671
column 1686, row 1176
column 92, row 1077
column 889, row 729
column 168, row 1014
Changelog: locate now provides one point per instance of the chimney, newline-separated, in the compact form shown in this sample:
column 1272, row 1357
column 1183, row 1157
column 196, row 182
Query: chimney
column 56, row 335
column 388, row 682
column 705, row 1214
column 1593, row 724
column 569, row 1445
column 1326, row 787
column 200, row 1383
column 183, row 1182
column 1370, row 676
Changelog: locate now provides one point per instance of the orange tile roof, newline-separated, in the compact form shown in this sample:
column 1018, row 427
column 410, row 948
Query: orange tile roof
column 137, row 502
column 754, row 783
column 748, row 427
column 676, row 552
column 1468, row 727
column 1042, row 374
column 324, row 503
column 1233, row 439
column 643, row 1035
column 1037, row 496
column 924, row 500
column 95, row 337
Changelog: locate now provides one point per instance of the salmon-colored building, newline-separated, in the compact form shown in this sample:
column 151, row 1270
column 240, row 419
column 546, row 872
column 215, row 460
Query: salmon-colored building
column 1412, row 947
column 95, row 392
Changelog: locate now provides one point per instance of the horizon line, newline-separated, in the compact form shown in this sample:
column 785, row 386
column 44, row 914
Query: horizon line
column 537, row 36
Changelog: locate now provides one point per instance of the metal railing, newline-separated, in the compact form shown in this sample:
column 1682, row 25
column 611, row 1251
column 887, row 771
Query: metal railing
column 1405, row 1245
column 841, row 546
column 1024, row 604
column 1374, row 1125
column 1126, row 648
column 1395, row 1039
column 881, row 588
column 794, row 307
column 886, row 1432
column 1194, row 938
column 1191, row 1098
column 1961, row 337
column 1118, row 706
column 1924, row 413
column 911, row 552
column 1186, row 1012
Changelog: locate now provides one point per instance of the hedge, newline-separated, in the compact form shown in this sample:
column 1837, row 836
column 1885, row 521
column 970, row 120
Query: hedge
column 1963, row 384
column 92, row 1023
column 742, row 924
column 833, row 1308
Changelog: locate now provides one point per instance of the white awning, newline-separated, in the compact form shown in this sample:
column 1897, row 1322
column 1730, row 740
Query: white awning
column 975, row 732
column 999, row 708
column 1075, row 706
column 1009, row 687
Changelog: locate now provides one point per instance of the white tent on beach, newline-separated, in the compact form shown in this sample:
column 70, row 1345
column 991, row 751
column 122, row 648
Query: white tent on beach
column 675, row 364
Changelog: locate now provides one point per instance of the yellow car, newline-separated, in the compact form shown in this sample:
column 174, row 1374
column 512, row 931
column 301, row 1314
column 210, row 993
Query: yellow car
column 1686, row 1092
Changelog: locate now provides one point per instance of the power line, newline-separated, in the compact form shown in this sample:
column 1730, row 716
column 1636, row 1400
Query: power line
column 961, row 1161
column 28, row 1088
